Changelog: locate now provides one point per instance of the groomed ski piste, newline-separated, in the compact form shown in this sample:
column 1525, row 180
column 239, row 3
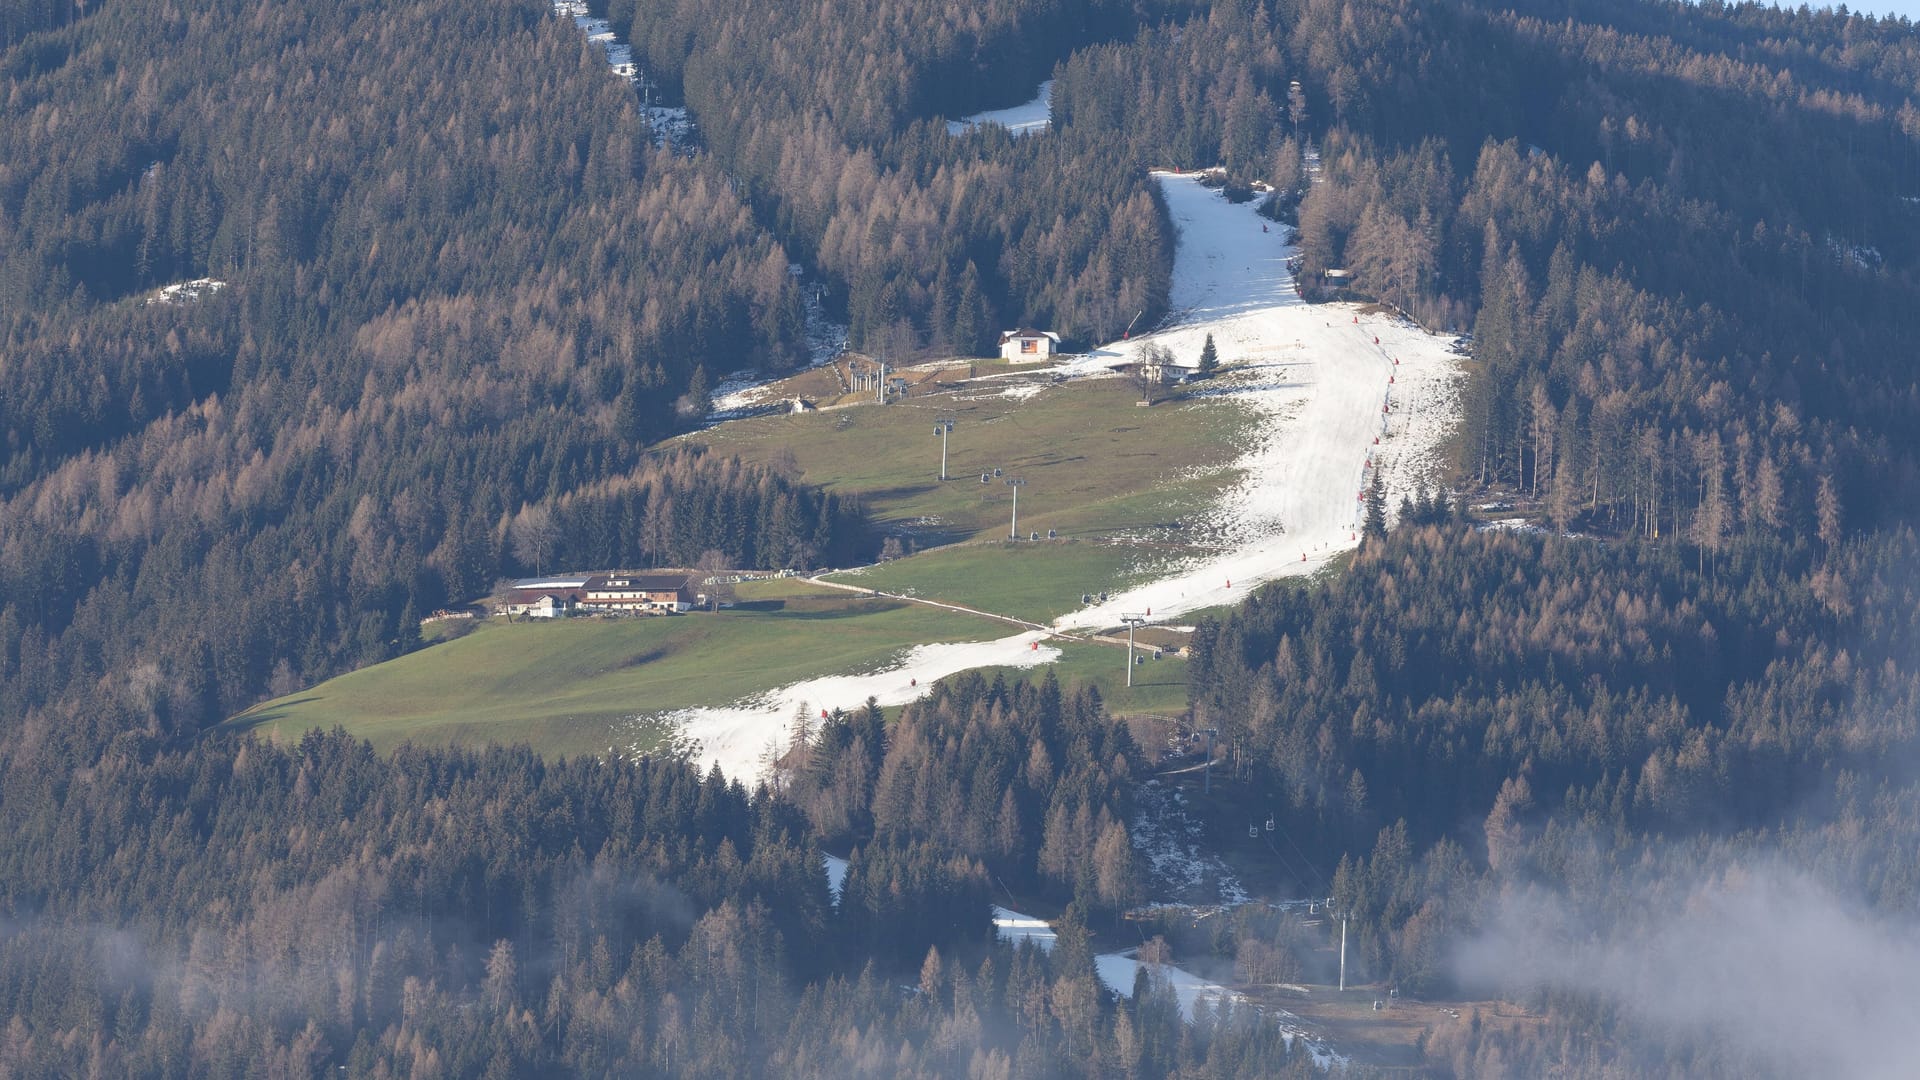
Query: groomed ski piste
column 1341, row 389
column 738, row 736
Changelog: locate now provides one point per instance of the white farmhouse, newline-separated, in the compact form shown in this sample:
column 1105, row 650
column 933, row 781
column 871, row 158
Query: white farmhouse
column 1027, row 344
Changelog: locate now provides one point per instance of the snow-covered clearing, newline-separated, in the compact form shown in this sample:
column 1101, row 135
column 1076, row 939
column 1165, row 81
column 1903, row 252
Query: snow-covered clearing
column 1026, row 118
column 182, row 292
column 1118, row 969
column 1340, row 391
column 1015, row 928
column 736, row 736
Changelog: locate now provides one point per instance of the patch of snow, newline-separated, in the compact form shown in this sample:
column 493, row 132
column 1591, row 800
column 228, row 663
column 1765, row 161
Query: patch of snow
column 1015, row 928
column 736, row 736
column 185, row 292
column 1022, row 391
column 1516, row 524
column 1171, row 844
column 1027, row 118
column 672, row 126
column 746, row 391
column 1334, row 405
column 836, row 875
column 1117, row 971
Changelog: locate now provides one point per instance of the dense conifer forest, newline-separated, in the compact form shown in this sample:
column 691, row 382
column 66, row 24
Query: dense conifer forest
column 462, row 298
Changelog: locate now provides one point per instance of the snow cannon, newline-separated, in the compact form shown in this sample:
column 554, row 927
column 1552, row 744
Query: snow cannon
column 1356, row 320
column 1389, row 380
column 1033, row 646
column 1376, row 339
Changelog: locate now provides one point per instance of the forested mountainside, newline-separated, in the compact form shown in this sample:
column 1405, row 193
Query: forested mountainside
column 446, row 912
column 452, row 287
column 833, row 120
column 459, row 284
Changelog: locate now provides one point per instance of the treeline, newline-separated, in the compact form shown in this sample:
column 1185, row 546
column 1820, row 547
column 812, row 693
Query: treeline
column 236, row 906
column 1030, row 780
column 458, row 284
column 933, row 241
column 678, row 505
column 1619, row 687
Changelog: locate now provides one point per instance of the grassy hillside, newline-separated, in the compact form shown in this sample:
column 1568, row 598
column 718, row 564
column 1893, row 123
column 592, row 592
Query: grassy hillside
column 559, row 685
column 1111, row 478
column 1035, row 581
column 1095, row 464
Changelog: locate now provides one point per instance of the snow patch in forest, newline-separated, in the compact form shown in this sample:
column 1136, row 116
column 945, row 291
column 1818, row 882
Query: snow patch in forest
column 1015, row 928
column 672, row 126
column 1118, row 970
column 185, row 292
column 1339, row 390
column 836, row 875
column 1172, row 846
column 1027, row 118
column 745, row 392
column 736, row 737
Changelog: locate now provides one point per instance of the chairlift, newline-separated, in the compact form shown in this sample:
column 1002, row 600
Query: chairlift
column 996, row 471
column 1269, row 822
column 984, row 478
column 1253, row 830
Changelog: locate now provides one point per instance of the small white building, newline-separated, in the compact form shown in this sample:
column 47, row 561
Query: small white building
column 1026, row 344
column 1157, row 371
column 545, row 606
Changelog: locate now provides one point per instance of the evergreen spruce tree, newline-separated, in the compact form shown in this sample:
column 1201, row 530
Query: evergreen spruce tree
column 1376, row 522
column 1209, row 359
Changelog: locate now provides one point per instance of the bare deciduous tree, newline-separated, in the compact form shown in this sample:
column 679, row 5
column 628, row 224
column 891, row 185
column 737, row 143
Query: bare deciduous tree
column 533, row 535
column 712, row 572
